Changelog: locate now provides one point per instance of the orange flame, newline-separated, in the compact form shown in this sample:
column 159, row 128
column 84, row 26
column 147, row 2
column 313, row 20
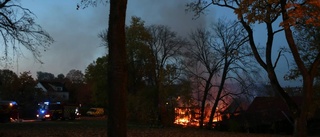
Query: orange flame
column 187, row 116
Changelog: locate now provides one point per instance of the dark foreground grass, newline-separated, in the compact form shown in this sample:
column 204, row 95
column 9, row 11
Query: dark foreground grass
column 97, row 128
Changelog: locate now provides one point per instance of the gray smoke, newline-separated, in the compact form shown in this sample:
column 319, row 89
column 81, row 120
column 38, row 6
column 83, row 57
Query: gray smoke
column 166, row 12
column 76, row 31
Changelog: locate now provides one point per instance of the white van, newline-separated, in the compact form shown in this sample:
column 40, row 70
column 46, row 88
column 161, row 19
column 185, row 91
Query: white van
column 95, row 112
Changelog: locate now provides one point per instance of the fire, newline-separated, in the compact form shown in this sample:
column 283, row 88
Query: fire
column 188, row 116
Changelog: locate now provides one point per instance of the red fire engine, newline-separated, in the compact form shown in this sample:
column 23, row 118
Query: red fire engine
column 56, row 111
column 8, row 111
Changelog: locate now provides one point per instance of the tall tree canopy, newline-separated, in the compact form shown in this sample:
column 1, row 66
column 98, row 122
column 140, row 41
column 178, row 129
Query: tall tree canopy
column 8, row 78
column 308, row 42
column 44, row 75
column 139, row 54
column 95, row 75
column 76, row 76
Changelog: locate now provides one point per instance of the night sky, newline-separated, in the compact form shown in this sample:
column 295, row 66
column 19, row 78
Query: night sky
column 76, row 31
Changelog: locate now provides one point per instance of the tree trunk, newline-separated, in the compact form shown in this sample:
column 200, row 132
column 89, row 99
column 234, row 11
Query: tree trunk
column 300, row 123
column 300, row 126
column 214, row 108
column 203, row 104
column 268, row 66
column 204, row 99
column 117, row 71
column 216, row 102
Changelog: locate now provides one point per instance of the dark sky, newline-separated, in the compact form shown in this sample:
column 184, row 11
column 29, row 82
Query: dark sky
column 76, row 31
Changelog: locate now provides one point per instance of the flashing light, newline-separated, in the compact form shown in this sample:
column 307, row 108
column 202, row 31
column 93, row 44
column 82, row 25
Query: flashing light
column 12, row 103
column 46, row 103
column 77, row 110
column 42, row 111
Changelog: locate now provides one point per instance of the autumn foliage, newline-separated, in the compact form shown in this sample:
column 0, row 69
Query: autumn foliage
column 304, row 12
column 299, row 11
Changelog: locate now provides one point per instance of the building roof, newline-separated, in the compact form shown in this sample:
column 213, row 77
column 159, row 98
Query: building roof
column 53, row 86
column 270, row 109
column 237, row 105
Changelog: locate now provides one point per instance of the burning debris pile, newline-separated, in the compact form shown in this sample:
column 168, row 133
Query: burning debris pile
column 190, row 116
column 187, row 116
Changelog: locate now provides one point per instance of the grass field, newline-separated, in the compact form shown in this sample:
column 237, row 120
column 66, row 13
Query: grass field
column 97, row 128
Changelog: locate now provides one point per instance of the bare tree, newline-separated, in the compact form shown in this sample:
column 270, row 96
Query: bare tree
column 165, row 46
column 230, row 44
column 290, row 13
column 223, row 55
column 18, row 27
column 201, row 64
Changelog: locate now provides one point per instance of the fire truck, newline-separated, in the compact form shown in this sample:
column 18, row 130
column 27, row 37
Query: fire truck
column 57, row 110
column 9, row 111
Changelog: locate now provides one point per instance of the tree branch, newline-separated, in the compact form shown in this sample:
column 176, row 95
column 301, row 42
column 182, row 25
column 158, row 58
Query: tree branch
column 278, row 57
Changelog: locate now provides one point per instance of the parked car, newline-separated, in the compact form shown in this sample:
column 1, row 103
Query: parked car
column 95, row 112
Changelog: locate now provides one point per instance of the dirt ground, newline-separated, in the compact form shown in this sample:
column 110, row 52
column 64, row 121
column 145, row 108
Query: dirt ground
column 165, row 132
column 97, row 128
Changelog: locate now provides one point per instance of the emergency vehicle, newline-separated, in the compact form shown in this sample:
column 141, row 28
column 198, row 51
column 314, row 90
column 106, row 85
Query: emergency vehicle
column 9, row 111
column 57, row 110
